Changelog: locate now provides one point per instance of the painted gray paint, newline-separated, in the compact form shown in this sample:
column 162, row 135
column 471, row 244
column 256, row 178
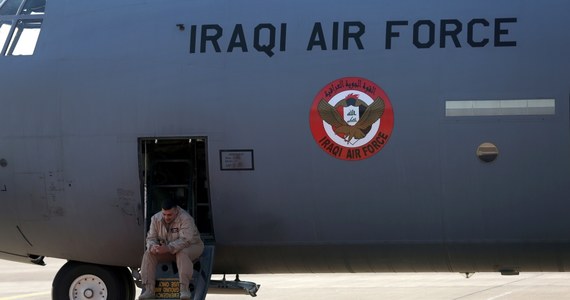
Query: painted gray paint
column 105, row 74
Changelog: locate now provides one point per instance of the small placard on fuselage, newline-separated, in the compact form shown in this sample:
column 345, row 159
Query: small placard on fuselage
column 236, row 160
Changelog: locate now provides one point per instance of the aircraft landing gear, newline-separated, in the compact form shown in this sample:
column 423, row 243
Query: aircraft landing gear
column 84, row 281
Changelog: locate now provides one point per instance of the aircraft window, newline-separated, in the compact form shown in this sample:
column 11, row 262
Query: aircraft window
column 4, row 31
column 34, row 7
column 521, row 107
column 9, row 7
column 25, row 37
column 20, row 26
column 487, row 152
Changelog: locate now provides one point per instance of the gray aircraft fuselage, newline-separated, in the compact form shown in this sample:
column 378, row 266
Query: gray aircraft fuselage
column 109, row 79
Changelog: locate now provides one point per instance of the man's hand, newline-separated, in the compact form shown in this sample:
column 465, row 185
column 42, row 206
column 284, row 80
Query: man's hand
column 159, row 249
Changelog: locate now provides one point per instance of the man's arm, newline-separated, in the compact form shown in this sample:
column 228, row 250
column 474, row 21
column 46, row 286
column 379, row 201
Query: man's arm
column 152, row 236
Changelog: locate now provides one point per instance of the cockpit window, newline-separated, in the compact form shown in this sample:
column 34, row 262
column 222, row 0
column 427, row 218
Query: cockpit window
column 20, row 26
column 4, row 31
column 10, row 7
column 34, row 7
column 25, row 37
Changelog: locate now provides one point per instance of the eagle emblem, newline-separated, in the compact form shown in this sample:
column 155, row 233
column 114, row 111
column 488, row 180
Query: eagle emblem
column 351, row 118
column 357, row 118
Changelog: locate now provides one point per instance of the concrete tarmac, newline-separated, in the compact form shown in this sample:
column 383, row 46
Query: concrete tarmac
column 30, row 282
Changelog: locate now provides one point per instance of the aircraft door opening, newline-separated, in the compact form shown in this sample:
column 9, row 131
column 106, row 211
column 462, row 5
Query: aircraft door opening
column 177, row 168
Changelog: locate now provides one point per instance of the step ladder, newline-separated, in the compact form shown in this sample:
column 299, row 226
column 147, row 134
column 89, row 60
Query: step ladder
column 167, row 280
column 168, row 284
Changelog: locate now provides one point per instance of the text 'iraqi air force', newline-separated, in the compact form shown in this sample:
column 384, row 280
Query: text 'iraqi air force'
column 270, row 38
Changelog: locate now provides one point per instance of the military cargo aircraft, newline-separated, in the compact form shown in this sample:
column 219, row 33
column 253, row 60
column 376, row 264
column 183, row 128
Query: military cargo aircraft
column 303, row 136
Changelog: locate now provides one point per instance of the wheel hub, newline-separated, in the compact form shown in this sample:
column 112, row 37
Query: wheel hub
column 88, row 287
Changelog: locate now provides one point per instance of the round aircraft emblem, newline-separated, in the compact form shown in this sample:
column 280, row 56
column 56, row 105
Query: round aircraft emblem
column 351, row 118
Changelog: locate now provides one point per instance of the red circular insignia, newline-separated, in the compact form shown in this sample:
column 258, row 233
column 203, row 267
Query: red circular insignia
column 351, row 118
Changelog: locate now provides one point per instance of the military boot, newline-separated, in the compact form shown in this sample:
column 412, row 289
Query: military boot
column 185, row 292
column 148, row 292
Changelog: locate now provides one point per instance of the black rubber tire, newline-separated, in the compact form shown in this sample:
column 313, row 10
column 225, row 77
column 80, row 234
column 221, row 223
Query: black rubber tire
column 113, row 278
column 128, row 282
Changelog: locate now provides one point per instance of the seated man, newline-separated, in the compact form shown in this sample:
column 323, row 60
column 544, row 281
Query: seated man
column 172, row 236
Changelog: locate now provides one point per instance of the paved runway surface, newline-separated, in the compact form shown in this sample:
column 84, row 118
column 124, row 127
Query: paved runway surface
column 29, row 282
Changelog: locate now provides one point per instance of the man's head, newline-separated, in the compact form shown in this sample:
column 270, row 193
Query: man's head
column 169, row 210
